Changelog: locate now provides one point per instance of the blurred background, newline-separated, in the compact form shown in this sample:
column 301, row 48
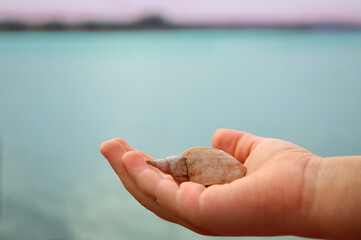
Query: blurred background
column 163, row 75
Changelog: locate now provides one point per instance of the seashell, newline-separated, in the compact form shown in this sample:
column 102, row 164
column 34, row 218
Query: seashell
column 202, row 165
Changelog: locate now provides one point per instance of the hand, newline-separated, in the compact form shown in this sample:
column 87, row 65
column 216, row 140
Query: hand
column 281, row 193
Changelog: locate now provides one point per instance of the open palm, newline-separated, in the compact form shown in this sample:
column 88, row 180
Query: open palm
column 272, row 199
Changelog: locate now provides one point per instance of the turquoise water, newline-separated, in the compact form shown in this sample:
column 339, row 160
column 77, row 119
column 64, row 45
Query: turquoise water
column 63, row 94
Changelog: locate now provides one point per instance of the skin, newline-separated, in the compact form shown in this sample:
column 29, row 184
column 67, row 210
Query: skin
column 287, row 190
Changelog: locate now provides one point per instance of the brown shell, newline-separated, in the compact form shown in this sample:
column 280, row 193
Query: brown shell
column 202, row 165
column 175, row 166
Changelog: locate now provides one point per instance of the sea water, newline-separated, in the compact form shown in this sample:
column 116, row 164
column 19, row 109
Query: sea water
column 63, row 94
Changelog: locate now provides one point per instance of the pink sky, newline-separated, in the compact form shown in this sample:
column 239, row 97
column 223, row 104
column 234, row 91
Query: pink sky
column 187, row 11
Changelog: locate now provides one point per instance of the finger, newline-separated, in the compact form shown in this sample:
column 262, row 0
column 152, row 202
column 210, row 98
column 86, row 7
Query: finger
column 145, row 176
column 181, row 201
column 124, row 144
column 238, row 144
column 113, row 150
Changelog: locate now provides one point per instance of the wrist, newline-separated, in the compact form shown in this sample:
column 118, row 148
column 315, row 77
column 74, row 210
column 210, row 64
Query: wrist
column 335, row 211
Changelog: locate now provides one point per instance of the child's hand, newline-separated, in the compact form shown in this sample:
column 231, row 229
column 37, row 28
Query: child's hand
column 285, row 190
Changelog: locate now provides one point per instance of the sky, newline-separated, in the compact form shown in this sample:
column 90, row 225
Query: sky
column 186, row 11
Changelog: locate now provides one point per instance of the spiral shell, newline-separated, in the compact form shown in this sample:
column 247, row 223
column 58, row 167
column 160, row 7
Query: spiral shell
column 206, row 166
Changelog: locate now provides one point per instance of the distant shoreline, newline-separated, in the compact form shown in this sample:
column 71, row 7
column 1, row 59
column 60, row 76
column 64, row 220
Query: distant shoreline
column 158, row 23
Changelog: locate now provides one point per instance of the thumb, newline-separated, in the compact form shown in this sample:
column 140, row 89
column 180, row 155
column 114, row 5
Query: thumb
column 238, row 144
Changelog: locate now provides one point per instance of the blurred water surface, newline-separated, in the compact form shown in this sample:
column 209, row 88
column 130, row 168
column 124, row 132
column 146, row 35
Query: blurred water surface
column 63, row 94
